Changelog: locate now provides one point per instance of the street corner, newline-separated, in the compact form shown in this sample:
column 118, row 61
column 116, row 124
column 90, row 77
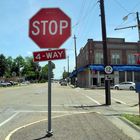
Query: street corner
column 75, row 126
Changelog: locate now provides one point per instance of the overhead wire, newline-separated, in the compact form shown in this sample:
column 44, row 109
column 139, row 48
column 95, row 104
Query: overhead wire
column 80, row 13
column 85, row 18
column 83, row 13
column 128, row 22
column 89, row 21
column 120, row 4
column 137, row 4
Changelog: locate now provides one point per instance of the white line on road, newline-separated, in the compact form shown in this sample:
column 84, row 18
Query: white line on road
column 95, row 101
column 92, row 100
column 1, row 124
column 34, row 111
column 118, row 101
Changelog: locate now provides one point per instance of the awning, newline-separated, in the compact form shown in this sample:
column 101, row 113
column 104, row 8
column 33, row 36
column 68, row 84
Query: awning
column 100, row 67
column 126, row 68
column 96, row 67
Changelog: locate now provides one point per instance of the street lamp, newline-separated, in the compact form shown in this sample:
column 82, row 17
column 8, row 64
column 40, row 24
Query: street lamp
column 138, row 23
column 126, row 17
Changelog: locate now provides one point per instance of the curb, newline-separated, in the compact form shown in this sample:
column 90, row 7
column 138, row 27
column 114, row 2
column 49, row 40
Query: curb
column 130, row 123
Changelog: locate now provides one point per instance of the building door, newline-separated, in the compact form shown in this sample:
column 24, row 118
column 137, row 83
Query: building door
column 94, row 82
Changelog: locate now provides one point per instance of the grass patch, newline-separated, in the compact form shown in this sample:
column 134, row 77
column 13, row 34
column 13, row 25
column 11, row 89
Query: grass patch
column 133, row 118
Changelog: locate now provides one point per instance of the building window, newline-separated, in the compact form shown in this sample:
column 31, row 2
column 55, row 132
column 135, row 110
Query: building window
column 130, row 59
column 115, row 58
column 98, row 58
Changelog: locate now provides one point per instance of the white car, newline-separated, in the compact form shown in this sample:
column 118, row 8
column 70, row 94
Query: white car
column 125, row 85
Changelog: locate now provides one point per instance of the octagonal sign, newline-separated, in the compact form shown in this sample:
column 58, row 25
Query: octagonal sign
column 50, row 28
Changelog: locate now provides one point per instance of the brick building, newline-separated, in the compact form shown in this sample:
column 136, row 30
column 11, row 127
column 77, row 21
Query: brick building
column 121, row 57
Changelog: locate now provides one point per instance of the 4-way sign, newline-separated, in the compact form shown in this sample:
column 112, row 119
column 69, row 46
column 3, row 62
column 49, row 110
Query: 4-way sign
column 49, row 55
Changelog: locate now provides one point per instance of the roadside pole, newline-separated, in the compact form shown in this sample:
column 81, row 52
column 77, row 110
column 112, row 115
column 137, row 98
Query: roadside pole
column 49, row 36
column 49, row 132
column 138, row 91
column 139, row 103
column 105, row 56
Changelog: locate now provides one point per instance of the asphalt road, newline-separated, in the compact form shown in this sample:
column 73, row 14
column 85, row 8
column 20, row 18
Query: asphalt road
column 26, row 104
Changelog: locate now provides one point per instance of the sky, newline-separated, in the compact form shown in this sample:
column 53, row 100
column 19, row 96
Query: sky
column 85, row 19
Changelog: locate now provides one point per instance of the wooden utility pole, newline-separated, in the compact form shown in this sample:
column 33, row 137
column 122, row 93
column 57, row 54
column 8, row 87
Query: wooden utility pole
column 75, row 49
column 105, row 55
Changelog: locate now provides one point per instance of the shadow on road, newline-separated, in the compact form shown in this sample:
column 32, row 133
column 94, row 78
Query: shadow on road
column 41, row 138
column 88, row 106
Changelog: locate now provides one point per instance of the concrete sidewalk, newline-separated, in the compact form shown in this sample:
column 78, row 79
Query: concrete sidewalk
column 83, row 126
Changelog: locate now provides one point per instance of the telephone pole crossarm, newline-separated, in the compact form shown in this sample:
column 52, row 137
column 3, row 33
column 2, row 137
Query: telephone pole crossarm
column 125, row 27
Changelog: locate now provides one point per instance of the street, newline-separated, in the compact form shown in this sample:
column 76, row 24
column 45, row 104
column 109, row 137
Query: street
column 22, row 105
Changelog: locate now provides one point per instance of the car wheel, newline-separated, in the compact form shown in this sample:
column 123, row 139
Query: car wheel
column 131, row 88
column 117, row 88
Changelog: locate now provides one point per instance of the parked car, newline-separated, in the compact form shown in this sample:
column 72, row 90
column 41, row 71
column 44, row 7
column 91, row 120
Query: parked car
column 125, row 85
column 4, row 84
column 25, row 83
column 13, row 83
column 63, row 83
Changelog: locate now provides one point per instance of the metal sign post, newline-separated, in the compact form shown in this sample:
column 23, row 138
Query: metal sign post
column 49, row 132
column 49, row 28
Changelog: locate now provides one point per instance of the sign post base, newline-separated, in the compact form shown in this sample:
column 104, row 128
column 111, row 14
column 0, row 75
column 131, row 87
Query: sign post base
column 49, row 133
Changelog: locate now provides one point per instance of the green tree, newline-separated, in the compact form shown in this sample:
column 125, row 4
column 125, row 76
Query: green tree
column 9, row 64
column 44, row 72
column 31, row 69
column 3, row 65
column 65, row 75
column 17, row 65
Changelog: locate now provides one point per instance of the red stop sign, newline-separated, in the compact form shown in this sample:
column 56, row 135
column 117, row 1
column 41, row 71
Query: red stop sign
column 50, row 28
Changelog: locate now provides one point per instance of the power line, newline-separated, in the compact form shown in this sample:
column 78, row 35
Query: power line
column 81, row 10
column 85, row 19
column 84, row 13
column 121, row 6
column 137, row 4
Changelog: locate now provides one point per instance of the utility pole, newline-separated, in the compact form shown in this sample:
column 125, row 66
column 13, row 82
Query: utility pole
column 138, row 23
column 75, row 59
column 75, row 49
column 105, row 55
column 68, row 64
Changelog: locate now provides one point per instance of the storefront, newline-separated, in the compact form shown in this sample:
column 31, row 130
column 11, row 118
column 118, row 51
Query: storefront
column 93, row 75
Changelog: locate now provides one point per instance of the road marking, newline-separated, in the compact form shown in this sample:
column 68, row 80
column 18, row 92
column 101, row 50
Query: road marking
column 34, row 111
column 12, row 132
column 60, row 105
column 92, row 99
column 1, row 124
column 95, row 101
column 118, row 101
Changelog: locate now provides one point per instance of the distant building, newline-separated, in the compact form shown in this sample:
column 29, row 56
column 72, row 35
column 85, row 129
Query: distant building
column 121, row 57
